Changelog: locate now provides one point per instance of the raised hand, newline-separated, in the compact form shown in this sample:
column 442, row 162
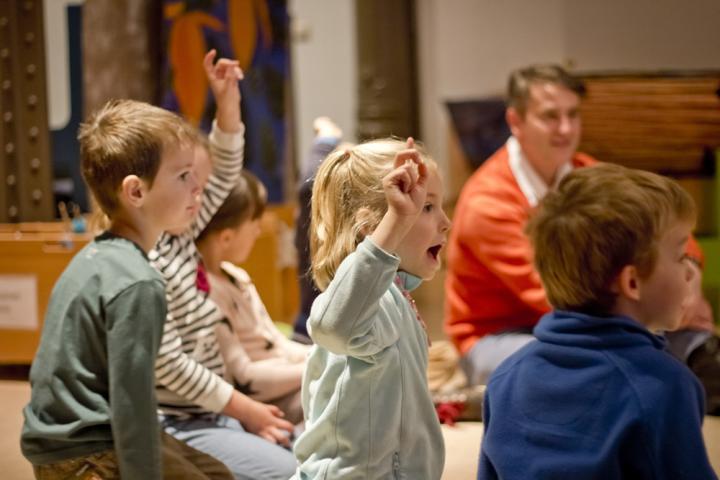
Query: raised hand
column 405, row 186
column 405, row 191
column 223, row 77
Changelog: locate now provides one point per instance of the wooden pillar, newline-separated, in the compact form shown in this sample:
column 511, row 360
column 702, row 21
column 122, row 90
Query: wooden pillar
column 121, row 51
column 387, row 69
column 25, row 169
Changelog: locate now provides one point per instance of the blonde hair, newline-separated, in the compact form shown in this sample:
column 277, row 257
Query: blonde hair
column 600, row 220
column 348, row 201
column 127, row 137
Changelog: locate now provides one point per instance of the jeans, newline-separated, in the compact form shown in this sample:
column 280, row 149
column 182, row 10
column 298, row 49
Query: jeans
column 248, row 456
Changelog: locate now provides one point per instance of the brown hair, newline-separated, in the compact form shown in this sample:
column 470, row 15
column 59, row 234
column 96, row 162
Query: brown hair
column 600, row 220
column 247, row 201
column 127, row 137
column 520, row 81
column 347, row 200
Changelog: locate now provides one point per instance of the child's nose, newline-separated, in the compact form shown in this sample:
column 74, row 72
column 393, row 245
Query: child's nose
column 444, row 223
column 195, row 183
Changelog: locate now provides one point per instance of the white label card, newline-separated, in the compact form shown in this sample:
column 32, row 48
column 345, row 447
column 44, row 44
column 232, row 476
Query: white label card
column 18, row 302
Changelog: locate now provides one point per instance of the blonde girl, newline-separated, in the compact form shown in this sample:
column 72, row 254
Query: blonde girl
column 377, row 230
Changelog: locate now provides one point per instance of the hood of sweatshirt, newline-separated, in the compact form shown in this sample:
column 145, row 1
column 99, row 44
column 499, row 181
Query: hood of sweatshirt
column 581, row 330
column 408, row 281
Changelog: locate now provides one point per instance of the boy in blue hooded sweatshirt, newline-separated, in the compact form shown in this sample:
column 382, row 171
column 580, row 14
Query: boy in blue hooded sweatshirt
column 597, row 395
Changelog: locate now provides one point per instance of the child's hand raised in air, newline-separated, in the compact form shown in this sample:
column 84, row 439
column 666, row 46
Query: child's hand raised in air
column 405, row 187
column 405, row 190
column 223, row 77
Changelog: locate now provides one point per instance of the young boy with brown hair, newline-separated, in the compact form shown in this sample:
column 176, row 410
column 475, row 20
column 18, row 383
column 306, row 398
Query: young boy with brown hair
column 93, row 411
column 597, row 395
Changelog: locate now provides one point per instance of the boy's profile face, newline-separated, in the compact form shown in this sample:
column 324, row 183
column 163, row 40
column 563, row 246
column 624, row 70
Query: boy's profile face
column 202, row 168
column 172, row 201
column 203, row 165
column 665, row 292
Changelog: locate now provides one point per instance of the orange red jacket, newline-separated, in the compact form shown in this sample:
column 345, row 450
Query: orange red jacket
column 491, row 284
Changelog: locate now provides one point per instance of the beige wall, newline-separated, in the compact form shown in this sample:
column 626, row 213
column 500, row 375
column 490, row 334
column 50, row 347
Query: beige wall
column 469, row 46
column 324, row 63
column 643, row 34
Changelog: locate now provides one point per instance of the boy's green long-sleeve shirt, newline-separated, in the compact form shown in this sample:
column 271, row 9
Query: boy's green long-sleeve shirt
column 92, row 378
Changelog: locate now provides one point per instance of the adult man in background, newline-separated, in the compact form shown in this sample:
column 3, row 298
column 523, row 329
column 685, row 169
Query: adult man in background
column 493, row 294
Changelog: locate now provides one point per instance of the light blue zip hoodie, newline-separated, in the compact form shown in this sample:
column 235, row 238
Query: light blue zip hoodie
column 368, row 411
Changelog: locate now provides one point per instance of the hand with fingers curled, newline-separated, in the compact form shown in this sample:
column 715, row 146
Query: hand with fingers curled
column 223, row 77
column 405, row 186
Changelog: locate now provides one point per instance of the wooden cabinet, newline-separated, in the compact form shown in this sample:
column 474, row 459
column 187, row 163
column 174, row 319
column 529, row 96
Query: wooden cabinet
column 33, row 255
column 37, row 259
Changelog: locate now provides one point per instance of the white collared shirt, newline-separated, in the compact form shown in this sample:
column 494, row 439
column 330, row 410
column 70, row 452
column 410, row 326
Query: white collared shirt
column 531, row 184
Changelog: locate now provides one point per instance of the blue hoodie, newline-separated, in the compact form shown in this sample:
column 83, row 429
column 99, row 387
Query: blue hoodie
column 593, row 398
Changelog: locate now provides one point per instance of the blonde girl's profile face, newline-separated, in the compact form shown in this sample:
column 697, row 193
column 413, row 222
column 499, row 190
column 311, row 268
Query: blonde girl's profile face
column 419, row 252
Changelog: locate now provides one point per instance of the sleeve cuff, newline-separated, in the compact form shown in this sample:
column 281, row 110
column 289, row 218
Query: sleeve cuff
column 227, row 141
column 221, row 398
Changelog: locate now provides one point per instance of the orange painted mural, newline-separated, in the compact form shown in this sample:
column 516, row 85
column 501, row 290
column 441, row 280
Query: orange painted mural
column 255, row 32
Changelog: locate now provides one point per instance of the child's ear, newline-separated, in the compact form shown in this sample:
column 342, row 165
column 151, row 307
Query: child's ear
column 627, row 283
column 225, row 236
column 132, row 190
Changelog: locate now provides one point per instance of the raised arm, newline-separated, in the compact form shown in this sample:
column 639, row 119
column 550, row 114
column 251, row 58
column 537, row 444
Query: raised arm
column 405, row 191
column 226, row 137
column 348, row 318
column 223, row 77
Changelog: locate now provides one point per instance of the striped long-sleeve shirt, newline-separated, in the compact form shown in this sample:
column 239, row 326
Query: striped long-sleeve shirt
column 189, row 368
